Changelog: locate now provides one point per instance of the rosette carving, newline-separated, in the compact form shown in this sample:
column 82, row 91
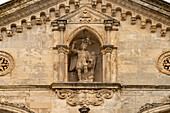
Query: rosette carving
column 163, row 63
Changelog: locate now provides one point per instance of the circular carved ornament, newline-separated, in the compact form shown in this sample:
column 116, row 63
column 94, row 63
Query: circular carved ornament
column 6, row 63
column 163, row 63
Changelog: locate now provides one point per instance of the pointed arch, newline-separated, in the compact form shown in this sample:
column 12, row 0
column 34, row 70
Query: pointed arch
column 75, row 32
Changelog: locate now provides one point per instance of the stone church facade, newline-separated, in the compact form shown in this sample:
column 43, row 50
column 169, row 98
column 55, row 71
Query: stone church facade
column 85, row 56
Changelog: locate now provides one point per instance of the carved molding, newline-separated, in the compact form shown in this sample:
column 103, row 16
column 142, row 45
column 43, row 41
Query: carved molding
column 6, row 63
column 107, row 49
column 62, row 49
column 163, row 63
column 85, row 96
column 151, row 107
column 20, row 106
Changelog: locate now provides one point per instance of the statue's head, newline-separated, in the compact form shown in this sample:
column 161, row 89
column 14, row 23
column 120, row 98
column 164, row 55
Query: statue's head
column 84, row 46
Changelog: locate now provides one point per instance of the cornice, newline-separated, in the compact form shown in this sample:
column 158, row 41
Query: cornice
column 23, row 8
column 145, row 9
column 28, row 9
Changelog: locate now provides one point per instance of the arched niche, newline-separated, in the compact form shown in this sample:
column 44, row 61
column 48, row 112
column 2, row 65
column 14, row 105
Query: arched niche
column 69, row 39
column 94, row 46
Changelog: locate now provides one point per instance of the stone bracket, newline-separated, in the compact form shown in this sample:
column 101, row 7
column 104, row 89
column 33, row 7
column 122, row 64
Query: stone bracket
column 85, row 94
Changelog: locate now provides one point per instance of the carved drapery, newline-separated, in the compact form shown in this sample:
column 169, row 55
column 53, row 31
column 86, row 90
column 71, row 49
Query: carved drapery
column 161, row 107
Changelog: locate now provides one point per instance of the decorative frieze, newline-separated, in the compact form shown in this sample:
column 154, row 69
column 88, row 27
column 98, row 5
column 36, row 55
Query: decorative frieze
column 6, row 63
column 163, row 63
column 85, row 94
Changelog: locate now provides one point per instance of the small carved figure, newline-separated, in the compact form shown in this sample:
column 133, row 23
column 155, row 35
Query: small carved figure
column 83, row 61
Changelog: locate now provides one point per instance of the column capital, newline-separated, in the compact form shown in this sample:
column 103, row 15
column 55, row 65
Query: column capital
column 59, row 25
column 62, row 49
column 107, row 49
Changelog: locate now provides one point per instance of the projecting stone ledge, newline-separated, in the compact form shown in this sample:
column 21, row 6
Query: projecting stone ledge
column 76, row 85
column 85, row 94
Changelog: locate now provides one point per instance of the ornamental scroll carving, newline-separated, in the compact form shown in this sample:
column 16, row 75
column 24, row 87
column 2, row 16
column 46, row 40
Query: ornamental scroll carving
column 6, row 63
column 85, row 96
column 163, row 63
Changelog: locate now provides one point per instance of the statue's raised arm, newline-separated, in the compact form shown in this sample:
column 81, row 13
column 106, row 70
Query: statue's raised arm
column 73, row 47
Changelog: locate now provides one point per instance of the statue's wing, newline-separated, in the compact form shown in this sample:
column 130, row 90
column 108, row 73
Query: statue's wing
column 73, row 62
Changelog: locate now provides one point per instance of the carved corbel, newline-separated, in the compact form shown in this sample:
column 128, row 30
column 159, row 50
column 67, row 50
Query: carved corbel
column 94, row 3
column 77, row 3
column 113, row 12
column 29, row 25
column 9, row 33
column 104, row 8
column 133, row 20
column 38, row 21
column 67, row 9
column 108, row 24
column 47, row 17
column 163, row 32
column 143, row 25
column 19, row 29
column 57, row 13
column 153, row 28
column 1, row 37
column 123, row 16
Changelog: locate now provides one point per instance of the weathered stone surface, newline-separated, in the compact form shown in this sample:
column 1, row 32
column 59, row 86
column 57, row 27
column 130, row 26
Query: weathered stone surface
column 131, row 44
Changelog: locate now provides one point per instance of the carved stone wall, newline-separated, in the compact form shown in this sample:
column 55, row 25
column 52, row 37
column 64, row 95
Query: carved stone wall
column 131, row 41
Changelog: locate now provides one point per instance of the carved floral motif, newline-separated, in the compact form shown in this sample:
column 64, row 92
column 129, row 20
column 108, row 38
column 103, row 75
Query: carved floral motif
column 85, row 96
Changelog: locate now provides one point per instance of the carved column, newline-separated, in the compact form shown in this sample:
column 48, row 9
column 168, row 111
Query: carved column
column 108, row 60
column 60, row 55
column 60, row 62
